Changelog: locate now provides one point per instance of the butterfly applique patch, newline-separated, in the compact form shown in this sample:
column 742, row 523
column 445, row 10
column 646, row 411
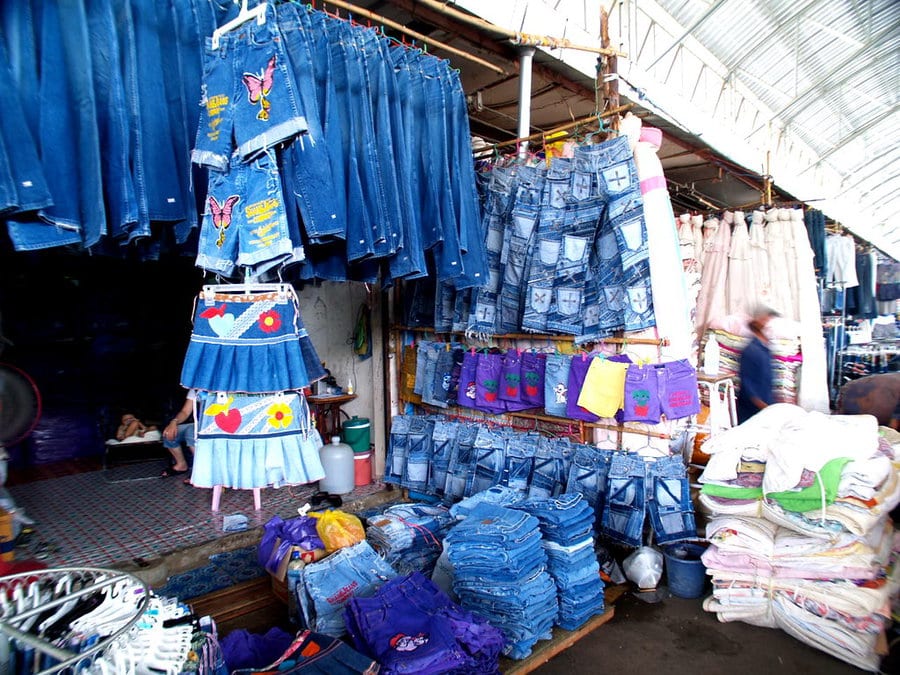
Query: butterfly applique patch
column 221, row 215
column 258, row 88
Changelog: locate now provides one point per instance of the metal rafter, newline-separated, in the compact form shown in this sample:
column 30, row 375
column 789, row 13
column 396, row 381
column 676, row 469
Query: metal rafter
column 690, row 29
column 857, row 132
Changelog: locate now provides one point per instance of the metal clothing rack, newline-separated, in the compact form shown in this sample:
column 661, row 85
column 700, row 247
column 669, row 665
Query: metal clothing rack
column 102, row 578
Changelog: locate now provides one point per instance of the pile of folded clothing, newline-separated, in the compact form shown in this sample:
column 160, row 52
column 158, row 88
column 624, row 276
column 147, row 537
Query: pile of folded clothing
column 786, row 362
column 409, row 536
column 812, row 551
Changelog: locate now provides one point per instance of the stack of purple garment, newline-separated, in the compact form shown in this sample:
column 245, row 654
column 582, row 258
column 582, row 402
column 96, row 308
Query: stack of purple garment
column 411, row 626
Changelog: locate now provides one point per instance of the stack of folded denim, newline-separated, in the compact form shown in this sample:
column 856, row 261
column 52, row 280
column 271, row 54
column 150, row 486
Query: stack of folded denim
column 409, row 536
column 500, row 573
column 411, row 626
column 566, row 524
column 499, row 495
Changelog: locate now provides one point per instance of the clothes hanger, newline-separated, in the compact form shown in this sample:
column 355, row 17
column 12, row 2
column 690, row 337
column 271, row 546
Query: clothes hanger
column 245, row 15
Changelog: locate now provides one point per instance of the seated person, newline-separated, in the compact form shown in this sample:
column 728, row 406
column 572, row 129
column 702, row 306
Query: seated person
column 179, row 433
column 132, row 426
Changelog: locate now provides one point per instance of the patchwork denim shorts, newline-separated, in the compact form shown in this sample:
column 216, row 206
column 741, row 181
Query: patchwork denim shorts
column 244, row 222
column 248, row 99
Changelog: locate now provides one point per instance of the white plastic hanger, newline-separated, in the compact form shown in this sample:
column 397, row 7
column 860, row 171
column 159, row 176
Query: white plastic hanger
column 245, row 15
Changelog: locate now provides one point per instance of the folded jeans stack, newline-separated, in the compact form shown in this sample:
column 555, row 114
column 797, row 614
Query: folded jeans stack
column 409, row 535
column 500, row 573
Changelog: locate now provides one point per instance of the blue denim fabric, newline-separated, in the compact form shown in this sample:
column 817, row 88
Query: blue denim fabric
column 519, row 462
column 444, row 306
column 498, row 495
column 588, row 476
column 444, row 438
column 27, row 189
column 461, row 462
column 462, row 309
column 244, row 222
column 552, row 460
column 447, row 250
column 419, row 452
column 324, row 214
column 443, row 375
column 328, row 584
column 347, row 81
column 556, row 382
column 541, row 268
column 398, row 449
column 67, row 137
column 517, row 245
column 429, row 352
column 118, row 186
column 623, row 518
column 671, row 509
column 380, row 88
column 490, row 459
column 462, row 183
column 497, row 212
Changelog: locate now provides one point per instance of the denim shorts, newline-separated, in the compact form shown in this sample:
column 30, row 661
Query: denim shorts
column 667, row 388
column 248, row 93
column 184, row 436
column 244, row 223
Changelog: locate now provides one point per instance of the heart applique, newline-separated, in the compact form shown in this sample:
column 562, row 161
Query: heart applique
column 229, row 421
column 222, row 325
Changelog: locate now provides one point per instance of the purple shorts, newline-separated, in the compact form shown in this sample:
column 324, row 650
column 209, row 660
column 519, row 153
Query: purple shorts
column 668, row 389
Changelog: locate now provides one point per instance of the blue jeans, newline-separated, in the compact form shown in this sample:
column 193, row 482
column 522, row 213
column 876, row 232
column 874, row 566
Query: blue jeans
column 671, row 509
column 328, row 584
column 462, row 462
column 420, row 447
column 551, row 468
column 490, row 458
column 398, row 449
column 623, row 517
column 588, row 476
column 324, row 214
column 444, row 438
column 556, row 384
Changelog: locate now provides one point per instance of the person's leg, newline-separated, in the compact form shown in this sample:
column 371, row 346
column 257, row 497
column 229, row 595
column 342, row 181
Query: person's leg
column 185, row 436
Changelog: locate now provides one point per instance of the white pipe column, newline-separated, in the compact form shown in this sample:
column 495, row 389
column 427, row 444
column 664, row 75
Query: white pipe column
column 526, row 56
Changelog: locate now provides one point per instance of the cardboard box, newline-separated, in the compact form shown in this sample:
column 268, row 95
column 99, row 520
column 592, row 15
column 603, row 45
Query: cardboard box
column 306, row 556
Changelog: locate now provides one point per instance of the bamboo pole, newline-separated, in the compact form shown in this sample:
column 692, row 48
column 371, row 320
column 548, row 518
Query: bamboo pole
column 557, row 130
column 384, row 21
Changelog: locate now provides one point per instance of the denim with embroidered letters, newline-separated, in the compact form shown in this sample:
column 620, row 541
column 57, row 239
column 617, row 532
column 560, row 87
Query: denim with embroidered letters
column 244, row 223
column 249, row 100
column 328, row 584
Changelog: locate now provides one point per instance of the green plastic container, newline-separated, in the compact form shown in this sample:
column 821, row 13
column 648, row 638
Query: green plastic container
column 356, row 433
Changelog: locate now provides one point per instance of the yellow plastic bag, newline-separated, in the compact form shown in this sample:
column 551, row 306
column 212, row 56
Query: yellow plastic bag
column 338, row 529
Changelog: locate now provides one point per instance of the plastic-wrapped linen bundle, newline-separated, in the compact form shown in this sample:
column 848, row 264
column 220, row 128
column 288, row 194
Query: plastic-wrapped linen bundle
column 814, row 553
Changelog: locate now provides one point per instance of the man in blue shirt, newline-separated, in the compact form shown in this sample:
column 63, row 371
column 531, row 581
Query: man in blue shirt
column 756, row 368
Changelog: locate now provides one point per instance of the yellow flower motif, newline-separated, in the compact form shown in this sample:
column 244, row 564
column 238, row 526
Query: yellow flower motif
column 280, row 415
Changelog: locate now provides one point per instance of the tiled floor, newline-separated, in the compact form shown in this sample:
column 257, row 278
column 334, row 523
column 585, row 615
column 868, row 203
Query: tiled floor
column 128, row 514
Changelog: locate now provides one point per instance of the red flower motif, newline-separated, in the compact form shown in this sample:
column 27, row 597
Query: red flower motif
column 270, row 321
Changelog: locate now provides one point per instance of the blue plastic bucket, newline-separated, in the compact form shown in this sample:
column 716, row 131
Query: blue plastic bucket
column 684, row 569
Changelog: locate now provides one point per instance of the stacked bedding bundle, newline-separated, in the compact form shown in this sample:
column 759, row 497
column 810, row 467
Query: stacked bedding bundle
column 805, row 544
column 786, row 362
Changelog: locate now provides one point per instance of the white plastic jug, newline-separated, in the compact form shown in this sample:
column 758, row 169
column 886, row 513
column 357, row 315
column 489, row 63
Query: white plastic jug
column 337, row 460
column 711, row 357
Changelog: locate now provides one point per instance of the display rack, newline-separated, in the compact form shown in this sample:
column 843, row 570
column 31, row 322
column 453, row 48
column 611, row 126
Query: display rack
column 92, row 579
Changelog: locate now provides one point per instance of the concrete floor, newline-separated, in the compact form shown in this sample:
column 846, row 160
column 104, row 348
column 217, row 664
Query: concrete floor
column 677, row 637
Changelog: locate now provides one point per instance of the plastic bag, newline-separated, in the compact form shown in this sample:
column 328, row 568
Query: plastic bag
column 338, row 529
column 644, row 567
column 280, row 536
